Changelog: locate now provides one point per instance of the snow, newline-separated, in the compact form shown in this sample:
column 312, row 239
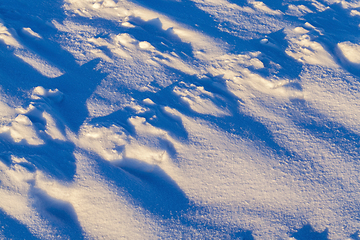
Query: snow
column 31, row 33
column 350, row 52
column 226, row 119
column 306, row 51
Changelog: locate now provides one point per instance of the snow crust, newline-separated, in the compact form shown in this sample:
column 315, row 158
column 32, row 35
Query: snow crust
column 179, row 119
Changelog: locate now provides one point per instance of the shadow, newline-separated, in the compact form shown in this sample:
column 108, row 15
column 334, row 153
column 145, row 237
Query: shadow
column 13, row 229
column 37, row 13
column 16, row 75
column 152, row 189
column 148, row 185
column 77, row 86
column 44, row 47
column 356, row 235
column 331, row 23
column 163, row 40
column 78, row 83
column 172, row 124
column 164, row 120
column 55, row 158
column 62, row 214
column 237, row 122
column 308, row 233
column 274, row 52
column 276, row 5
column 119, row 117
column 241, row 3
column 186, row 12
column 242, row 235
column 325, row 129
column 163, row 197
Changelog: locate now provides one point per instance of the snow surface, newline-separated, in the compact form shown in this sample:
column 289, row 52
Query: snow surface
column 179, row 119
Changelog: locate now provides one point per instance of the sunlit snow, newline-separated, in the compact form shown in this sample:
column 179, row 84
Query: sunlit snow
column 179, row 119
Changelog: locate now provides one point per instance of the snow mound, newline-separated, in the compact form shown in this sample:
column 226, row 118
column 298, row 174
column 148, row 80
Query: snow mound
column 350, row 52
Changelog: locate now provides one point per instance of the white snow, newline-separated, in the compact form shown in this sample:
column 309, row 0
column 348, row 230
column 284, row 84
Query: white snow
column 7, row 37
column 198, row 99
column 298, row 11
column 31, row 33
column 350, row 51
column 179, row 119
column 22, row 129
column 303, row 49
column 262, row 7
column 39, row 64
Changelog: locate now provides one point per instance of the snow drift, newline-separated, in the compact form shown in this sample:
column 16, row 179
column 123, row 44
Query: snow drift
column 179, row 119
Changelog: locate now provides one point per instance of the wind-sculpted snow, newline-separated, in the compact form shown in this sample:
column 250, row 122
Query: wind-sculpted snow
column 184, row 119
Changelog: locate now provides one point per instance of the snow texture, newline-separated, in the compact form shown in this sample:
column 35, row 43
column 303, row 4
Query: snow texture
column 179, row 119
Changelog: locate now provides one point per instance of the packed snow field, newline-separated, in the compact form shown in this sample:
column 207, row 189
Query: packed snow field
column 169, row 119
